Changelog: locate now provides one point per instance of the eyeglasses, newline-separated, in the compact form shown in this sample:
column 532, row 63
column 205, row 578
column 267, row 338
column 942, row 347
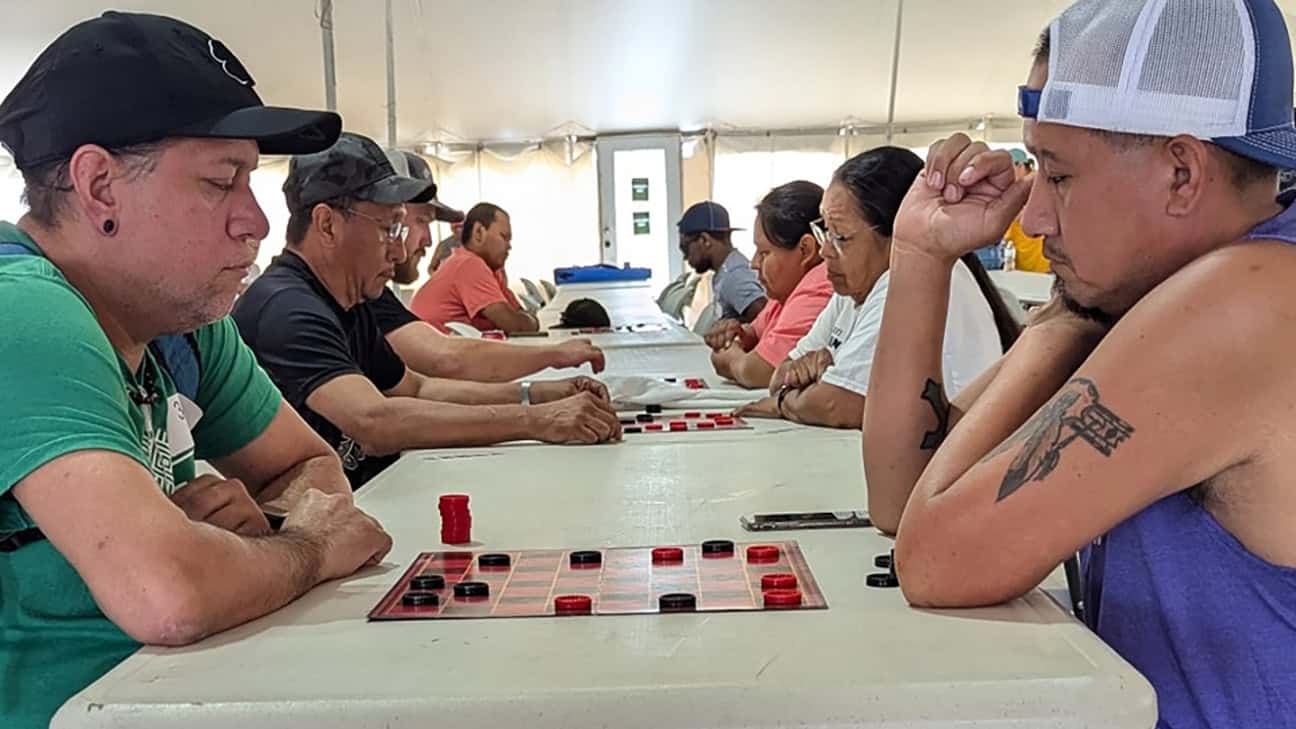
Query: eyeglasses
column 395, row 232
column 821, row 235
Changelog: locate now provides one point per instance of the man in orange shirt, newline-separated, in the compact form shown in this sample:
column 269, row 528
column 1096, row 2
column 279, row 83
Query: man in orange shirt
column 470, row 286
column 425, row 349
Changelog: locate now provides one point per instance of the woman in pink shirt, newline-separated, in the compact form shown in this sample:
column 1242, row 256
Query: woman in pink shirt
column 794, row 277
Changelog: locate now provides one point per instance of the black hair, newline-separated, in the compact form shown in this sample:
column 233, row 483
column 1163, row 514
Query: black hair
column 878, row 181
column 482, row 214
column 584, row 314
column 1005, row 323
column 299, row 221
column 785, row 213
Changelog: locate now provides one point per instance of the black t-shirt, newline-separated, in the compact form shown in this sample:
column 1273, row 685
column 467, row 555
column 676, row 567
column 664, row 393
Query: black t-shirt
column 390, row 313
column 303, row 339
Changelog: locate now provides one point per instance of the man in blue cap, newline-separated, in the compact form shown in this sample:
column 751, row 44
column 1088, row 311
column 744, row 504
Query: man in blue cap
column 136, row 136
column 705, row 241
column 1145, row 415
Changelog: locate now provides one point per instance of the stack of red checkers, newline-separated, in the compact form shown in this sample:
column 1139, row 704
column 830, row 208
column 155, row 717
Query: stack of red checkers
column 456, row 520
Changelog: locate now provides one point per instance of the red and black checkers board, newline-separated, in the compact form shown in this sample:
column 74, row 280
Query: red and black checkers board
column 714, row 576
column 677, row 422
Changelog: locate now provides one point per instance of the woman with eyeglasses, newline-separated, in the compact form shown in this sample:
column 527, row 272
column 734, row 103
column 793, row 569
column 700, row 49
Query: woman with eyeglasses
column 794, row 277
column 825, row 378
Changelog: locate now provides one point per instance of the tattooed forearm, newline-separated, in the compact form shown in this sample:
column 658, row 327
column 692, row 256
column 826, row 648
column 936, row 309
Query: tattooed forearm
column 1075, row 413
column 934, row 394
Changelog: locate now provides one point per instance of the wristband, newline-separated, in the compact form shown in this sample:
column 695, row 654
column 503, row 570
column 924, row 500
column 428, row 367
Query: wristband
column 526, row 393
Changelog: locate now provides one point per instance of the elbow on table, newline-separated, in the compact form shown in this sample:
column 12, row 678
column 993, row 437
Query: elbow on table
column 884, row 518
column 170, row 612
column 937, row 572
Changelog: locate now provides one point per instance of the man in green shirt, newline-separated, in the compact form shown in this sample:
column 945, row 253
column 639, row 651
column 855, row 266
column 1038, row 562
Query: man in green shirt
column 136, row 136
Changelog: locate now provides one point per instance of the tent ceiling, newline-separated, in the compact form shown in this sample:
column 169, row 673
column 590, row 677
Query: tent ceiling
column 509, row 69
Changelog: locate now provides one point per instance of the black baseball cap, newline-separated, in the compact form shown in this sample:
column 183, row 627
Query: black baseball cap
column 409, row 164
column 131, row 78
column 355, row 166
column 705, row 217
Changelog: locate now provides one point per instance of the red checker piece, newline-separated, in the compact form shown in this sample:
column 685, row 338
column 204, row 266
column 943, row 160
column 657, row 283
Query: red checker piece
column 653, row 426
column 762, row 553
column 724, row 420
column 460, row 500
column 694, row 383
column 692, row 416
column 666, row 555
column 713, row 416
column 706, row 425
column 782, row 598
column 573, row 604
column 778, row 581
column 678, row 425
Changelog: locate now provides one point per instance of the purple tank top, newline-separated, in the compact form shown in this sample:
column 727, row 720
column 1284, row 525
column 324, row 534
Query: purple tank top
column 1210, row 624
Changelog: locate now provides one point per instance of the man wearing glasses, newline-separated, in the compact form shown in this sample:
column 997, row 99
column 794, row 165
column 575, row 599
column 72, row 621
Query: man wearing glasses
column 304, row 320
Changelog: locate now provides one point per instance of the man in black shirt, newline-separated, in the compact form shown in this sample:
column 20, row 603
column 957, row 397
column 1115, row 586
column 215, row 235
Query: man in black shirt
column 428, row 351
column 307, row 322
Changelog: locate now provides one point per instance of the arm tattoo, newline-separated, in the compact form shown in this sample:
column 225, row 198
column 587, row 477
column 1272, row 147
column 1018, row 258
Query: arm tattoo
column 934, row 394
column 1074, row 413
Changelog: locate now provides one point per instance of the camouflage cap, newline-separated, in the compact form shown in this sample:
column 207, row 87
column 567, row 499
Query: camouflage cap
column 354, row 166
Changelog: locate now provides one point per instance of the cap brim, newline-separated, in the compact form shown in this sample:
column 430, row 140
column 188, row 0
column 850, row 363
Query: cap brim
column 1276, row 147
column 276, row 130
column 445, row 213
column 393, row 190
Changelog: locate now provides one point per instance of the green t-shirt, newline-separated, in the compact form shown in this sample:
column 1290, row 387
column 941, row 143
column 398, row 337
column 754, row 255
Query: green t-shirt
column 66, row 390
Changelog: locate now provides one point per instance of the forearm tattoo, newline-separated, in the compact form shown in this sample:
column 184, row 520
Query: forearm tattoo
column 1075, row 413
column 934, row 394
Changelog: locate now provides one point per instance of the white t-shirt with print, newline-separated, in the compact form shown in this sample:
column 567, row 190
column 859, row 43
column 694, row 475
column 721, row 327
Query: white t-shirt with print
column 850, row 332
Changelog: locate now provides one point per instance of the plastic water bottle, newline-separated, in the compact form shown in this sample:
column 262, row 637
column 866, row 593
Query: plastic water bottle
column 1009, row 252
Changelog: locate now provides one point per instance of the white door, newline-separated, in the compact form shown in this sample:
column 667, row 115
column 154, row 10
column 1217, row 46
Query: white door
column 639, row 203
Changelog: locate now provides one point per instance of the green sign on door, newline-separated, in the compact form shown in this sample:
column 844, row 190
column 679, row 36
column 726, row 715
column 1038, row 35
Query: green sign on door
column 641, row 225
column 639, row 189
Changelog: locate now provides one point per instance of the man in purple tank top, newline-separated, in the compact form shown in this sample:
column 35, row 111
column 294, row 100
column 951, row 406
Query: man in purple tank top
column 1149, row 410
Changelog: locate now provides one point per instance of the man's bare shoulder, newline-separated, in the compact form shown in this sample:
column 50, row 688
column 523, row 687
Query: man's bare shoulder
column 1235, row 293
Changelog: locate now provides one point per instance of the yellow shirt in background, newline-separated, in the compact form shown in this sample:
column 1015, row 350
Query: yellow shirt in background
column 1030, row 251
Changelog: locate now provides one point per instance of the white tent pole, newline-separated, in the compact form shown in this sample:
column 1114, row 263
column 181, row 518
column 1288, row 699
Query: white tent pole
column 391, row 78
column 895, row 70
column 330, row 74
